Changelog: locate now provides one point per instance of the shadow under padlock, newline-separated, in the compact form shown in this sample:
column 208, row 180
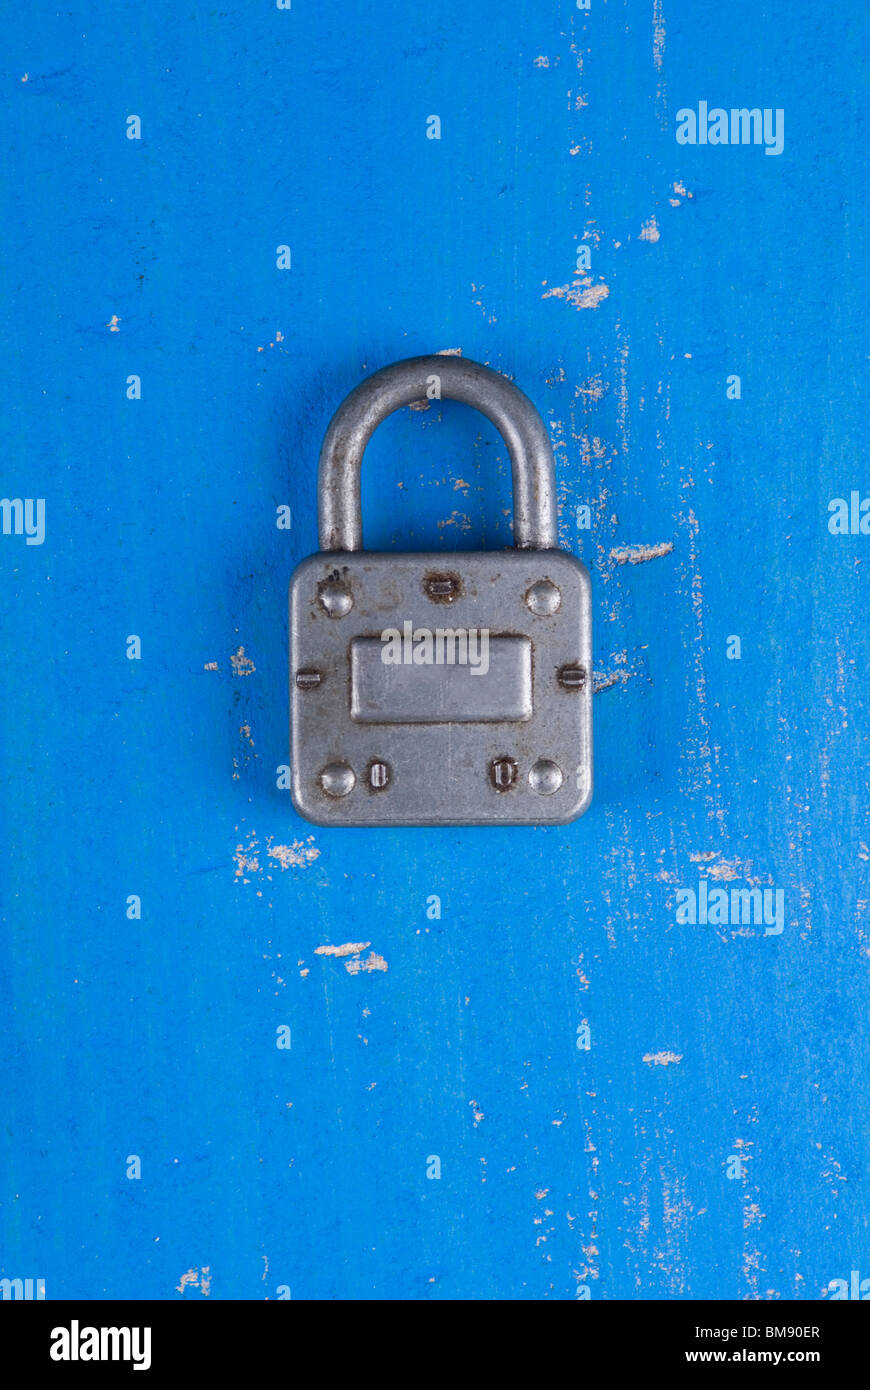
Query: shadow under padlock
column 433, row 688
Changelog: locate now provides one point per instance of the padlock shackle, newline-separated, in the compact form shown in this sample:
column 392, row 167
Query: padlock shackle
column 512, row 413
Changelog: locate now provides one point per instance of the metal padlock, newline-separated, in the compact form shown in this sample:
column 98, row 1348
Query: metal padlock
column 440, row 689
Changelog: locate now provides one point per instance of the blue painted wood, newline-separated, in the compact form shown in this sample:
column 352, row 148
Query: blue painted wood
column 711, row 1140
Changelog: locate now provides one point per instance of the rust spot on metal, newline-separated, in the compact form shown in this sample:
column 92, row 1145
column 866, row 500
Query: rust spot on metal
column 442, row 588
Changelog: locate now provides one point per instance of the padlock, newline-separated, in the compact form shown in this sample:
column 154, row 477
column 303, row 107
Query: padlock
column 439, row 688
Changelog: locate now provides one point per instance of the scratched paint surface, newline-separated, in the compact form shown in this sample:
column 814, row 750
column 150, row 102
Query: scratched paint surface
column 710, row 1140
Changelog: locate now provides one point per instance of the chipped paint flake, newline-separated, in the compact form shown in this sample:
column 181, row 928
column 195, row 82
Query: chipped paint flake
column 196, row 1279
column 581, row 293
column 658, row 36
column 726, row 869
column 297, row 855
column 603, row 680
column 247, row 860
column 639, row 554
column 251, row 859
column 461, row 520
column 372, row 962
column 662, row 1059
column 242, row 665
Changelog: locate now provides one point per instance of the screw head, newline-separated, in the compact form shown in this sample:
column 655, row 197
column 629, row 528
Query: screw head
column 309, row 679
column 379, row 774
column 572, row 677
column 503, row 772
column 335, row 597
column 543, row 598
column 545, row 777
column 337, row 779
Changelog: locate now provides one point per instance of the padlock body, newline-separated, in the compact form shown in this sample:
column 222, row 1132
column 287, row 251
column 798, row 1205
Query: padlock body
column 433, row 689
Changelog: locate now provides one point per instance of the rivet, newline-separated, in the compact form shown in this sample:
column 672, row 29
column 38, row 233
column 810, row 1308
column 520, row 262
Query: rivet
column 308, row 679
column 545, row 777
column 442, row 588
column 379, row 775
column 335, row 597
column 337, row 779
column 572, row 677
column 543, row 598
column 503, row 772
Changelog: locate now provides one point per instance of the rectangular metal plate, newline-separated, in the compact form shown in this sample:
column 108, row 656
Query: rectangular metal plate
column 492, row 685
column 441, row 773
